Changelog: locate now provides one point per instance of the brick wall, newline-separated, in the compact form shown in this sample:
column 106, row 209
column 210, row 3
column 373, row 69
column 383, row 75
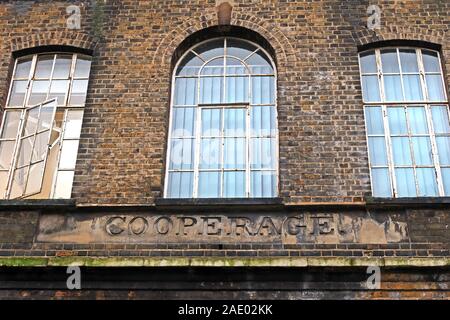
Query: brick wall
column 323, row 153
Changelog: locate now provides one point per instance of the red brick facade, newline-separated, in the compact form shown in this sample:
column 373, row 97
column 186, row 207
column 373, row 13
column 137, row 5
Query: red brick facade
column 323, row 159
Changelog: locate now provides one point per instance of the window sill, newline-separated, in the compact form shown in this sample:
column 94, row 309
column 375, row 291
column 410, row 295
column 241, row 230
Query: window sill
column 37, row 204
column 416, row 202
column 221, row 203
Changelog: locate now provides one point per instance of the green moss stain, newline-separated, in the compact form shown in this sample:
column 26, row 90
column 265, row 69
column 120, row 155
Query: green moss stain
column 220, row 262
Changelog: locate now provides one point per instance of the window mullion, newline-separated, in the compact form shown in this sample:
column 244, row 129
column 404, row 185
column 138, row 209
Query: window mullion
column 222, row 154
column 434, row 152
column 387, row 137
column 58, row 160
column 197, row 150
column 397, row 51
column 411, row 150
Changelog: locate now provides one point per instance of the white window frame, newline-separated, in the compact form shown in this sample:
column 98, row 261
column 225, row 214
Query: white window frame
column 66, row 107
column 199, row 106
column 426, row 103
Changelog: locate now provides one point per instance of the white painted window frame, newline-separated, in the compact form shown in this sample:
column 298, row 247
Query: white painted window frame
column 199, row 106
column 66, row 107
column 426, row 103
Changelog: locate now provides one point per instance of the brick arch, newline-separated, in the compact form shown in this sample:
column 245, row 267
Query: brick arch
column 366, row 36
column 53, row 38
column 284, row 50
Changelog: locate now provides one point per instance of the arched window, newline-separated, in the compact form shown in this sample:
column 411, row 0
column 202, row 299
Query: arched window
column 41, row 125
column 223, row 123
column 407, row 122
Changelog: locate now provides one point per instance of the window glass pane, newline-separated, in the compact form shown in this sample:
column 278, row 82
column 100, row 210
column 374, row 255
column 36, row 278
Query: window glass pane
column 235, row 67
column 405, row 182
column 234, row 122
column 31, row 121
column 441, row 122
column 263, row 90
column 389, row 61
column 68, row 154
column 446, row 179
column 413, row 88
column 259, row 63
column 381, row 183
column 185, row 91
column 40, row 146
column 10, row 124
column 240, row 49
column 35, row 179
column 374, row 120
column 422, row 150
column 38, row 92
column 430, row 61
column 393, row 88
column 63, row 64
column 211, row 49
column 368, row 62
column 377, row 151
column 6, row 153
column 183, row 122
column 182, row 154
column 234, row 184
column 44, row 66
column 209, row 184
column 417, row 120
column 214, row 68
column 426, row 178
column 190, row 65
column 371, row 91
column 408, row 59
column 237, row 89
column 263, row 184
column 58, row 90
column 46, row 116
column 73, row 124
column 263, row 121
column 211, row 122
column 3, row 183
column 443, row 145
column 23, row 69
column 63, row 188
column 79, row 90
column 180, row 184
column 263, row 153
column 18, row 92
column 211, row 90
column 401, row 151
column 234, row 153
column 24, row 156
column 19, row 180
column 397, row 120
column 210, row 153
column 435, row 88
column 82, row 67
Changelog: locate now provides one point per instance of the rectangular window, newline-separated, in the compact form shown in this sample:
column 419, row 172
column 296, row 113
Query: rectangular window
column 41, row 126
column 407, row 123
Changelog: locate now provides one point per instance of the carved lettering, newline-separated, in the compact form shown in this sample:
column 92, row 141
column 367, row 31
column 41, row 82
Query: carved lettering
column 211, row 226
column 163, row 225
column 114, row 227
column 185, row 222
column 138, row 225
